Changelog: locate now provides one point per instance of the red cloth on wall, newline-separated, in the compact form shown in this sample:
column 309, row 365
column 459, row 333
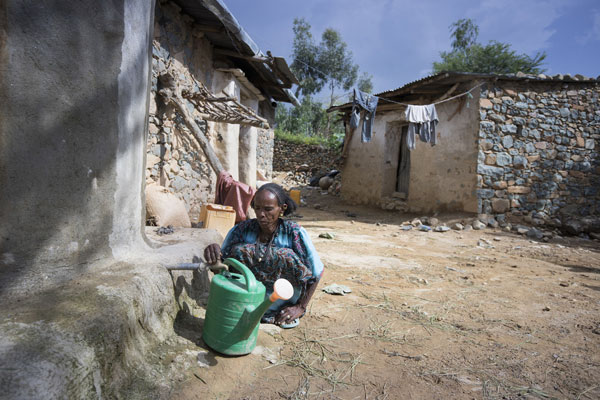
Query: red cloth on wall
column 235, row 194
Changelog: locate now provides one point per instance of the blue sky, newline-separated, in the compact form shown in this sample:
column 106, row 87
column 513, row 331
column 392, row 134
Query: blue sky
column 396, row 41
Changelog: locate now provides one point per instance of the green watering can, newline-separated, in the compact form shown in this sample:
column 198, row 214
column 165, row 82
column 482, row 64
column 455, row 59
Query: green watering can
column 236, row 303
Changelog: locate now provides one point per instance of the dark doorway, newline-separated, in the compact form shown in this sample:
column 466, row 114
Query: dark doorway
column 403, row 172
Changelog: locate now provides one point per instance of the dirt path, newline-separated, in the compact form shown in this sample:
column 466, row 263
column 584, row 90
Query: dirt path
column 431, row 316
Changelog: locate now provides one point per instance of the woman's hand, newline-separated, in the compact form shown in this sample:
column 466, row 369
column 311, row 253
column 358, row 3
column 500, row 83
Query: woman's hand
column 212, row 253
column 288, row 314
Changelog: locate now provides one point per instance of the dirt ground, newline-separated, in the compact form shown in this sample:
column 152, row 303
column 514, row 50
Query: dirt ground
column 430, row 316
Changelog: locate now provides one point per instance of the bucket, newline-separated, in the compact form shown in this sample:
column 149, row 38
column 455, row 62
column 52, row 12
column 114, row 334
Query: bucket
column 295, row 195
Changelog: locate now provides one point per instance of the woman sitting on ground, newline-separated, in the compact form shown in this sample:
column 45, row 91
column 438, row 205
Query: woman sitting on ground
column 274, row 248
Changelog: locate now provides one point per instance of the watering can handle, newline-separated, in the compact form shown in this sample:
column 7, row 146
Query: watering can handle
column 250, row 279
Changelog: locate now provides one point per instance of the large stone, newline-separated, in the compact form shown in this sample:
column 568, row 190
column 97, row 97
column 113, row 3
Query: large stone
column 541, row 145
column 503, row 159
column 509, row 128
column 486, row 145
column 521, row 105
column 589, row 144
column 535, row 234
column 496, row 117
column 520, row 162
column 457, row 226
column 478, row 225
column 489, row 170
column 485, row 103
column 151, row 159
column 519, row 189
column 487, row 126
column 573, row 227
column 485, row 193
column 499, row 185
column 490, row 159
column 500, row 206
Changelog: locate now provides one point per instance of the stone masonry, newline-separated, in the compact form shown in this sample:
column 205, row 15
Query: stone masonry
column 290, row 156
column 174, row 158
column 538, row 150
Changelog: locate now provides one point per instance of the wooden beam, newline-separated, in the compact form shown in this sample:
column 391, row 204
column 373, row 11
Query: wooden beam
column 235, row 54
column 171, row 95
column 448, row 93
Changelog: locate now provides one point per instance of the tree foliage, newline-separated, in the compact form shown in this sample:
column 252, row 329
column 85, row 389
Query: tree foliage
column 467, row 55
column 327, row 65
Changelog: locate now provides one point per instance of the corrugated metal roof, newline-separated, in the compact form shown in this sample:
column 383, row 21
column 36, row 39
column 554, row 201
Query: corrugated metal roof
column 518, row 76
column 441, row 81
column 224, row 31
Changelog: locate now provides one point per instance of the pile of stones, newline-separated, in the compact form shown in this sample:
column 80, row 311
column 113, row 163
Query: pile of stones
column 288, row 156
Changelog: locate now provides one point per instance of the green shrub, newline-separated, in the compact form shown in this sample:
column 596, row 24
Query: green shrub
column 333, row 141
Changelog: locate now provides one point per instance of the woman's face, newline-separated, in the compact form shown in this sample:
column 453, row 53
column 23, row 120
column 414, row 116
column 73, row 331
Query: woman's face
column 267, row 210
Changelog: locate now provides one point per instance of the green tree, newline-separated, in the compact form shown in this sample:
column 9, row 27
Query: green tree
column 327, row 65
column 467, row 55
column 365, row 83
column 308, row 119
column 306, row 62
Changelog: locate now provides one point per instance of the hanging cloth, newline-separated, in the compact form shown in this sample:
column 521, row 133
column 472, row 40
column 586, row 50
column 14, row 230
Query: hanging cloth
column 368, row 103
column 422, row 121
column 230, row 192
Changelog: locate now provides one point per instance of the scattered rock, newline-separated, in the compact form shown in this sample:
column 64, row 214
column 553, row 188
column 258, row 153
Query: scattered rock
column 478, row 225
column 468, row 227
column 270, row 329
column 203, row 359
column 406, row 227
column 534, row 233
column 415, row 279
column 484, row 243
column 165, row 230
column 492, row 223
column 334, row 288
column 424, row 228
column 546, row 308
column 457, row 226
column 522, row 231
column 416, row 222
column 442, row 228
column 327, row 235
column 564, row 284
column 434, row 221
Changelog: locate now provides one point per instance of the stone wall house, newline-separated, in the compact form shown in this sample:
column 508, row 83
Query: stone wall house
column 517, row 145
column 201, row 45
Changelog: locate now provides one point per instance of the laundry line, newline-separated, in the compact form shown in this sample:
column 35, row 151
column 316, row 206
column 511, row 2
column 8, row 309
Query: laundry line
column 468, row 92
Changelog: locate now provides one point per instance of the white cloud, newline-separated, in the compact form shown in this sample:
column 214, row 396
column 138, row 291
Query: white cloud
column 526, row 25
column 594, row 32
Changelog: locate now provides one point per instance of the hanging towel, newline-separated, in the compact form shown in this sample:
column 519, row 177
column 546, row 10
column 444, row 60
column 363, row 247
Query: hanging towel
column 369, row 104
column 422, row 121
column 230, row 192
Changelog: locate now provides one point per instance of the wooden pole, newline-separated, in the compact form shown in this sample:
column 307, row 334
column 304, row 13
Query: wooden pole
column 170, row 94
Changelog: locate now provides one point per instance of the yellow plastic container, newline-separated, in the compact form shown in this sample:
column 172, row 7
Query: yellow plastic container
column 216, row 216
column 295, row 195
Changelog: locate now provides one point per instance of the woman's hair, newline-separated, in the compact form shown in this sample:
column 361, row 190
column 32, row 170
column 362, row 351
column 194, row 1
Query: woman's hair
column 282, row 197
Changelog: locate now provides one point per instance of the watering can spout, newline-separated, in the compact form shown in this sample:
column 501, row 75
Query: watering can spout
column 282, row 289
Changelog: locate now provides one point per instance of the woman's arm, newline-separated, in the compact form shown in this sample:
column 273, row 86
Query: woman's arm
column 290, row 313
